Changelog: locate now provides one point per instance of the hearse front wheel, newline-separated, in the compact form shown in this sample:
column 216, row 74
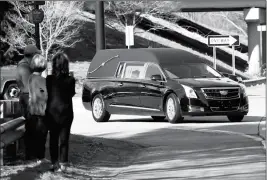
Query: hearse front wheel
column 98, row 109
column 173, row 109
column 235, row 118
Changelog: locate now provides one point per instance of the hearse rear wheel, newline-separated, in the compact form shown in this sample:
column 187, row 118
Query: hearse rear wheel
column 173, row 109
column 98, row 109
column 158, row 118
column 235, row 118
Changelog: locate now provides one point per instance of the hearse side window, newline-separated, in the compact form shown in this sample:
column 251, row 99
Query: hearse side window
column 133, row 70
column 151, row 70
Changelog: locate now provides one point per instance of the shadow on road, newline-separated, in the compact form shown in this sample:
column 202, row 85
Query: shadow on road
column 90, row 158
column 164, row 153
column 196, row 155
column 205, row 119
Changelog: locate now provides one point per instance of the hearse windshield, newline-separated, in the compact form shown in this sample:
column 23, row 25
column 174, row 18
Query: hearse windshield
column 191, row 70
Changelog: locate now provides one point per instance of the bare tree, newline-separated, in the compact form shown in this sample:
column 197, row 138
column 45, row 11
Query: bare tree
column 59, row 29
column 229, row 21
column 235, row 19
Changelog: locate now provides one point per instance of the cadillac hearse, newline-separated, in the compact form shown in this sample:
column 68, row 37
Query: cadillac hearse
column 163, row 83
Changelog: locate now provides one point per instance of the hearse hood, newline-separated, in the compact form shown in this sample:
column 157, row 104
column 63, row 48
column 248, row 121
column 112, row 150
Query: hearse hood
column 208, row 82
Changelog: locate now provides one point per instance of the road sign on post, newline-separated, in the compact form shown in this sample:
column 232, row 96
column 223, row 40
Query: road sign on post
column 129, row 36
column 220, row 40
column 37, row 15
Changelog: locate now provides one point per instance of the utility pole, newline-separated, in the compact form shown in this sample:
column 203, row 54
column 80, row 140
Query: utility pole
column 100, row 26
column 37, row 29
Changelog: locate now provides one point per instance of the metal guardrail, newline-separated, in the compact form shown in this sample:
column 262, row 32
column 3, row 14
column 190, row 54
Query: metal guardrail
column 11, row 125
column 10, row 130
column 254, row 82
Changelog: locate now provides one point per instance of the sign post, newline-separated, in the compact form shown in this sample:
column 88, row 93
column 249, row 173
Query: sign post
column 214, row 57
column 233, row 59
column 129, row 36
column 37, row 16
column 261, row 29
column 222, row 40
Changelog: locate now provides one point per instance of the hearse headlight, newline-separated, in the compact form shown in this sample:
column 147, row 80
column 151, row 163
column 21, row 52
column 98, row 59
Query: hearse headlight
column 190, row 93
column 243, row 89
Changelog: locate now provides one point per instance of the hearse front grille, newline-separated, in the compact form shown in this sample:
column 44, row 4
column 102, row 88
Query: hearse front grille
column 221, row 93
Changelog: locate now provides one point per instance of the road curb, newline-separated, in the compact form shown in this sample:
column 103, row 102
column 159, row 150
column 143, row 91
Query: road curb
column 262, row 131
column 255, row 137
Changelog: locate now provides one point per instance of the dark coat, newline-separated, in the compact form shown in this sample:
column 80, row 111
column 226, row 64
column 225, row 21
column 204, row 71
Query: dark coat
column 59, row 104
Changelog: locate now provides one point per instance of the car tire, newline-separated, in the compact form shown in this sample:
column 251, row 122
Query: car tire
column 99, row 109
column 11, row 91
column 235, row 118
column 158, row 118
column 173, row 109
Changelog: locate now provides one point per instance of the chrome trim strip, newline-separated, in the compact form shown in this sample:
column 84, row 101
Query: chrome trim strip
column 222, row 88
column 225, row 99
column 103, row 64
column 134, row 107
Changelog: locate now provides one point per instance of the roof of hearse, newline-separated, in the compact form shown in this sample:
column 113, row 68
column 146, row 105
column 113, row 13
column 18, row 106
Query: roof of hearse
column 163, row 56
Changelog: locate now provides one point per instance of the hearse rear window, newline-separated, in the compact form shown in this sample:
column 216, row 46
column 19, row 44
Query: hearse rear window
column 131, row 70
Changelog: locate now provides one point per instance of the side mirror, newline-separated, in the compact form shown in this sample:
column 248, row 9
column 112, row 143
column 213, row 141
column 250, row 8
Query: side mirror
column 233, row 77
column 156, row 77
column 240, row 80
column 226, row 75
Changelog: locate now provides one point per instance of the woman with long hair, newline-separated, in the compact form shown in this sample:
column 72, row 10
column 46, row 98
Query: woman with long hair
column 37, row 127
column 61, row 89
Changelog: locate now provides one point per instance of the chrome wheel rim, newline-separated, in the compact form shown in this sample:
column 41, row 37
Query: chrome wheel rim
column 98, row 108
column 170, row 108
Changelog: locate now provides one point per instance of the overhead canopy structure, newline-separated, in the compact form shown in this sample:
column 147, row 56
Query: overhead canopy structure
column 219, row 5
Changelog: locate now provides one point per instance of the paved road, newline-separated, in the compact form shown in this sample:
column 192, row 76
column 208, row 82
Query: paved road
column 123, row 126
column 199, row 148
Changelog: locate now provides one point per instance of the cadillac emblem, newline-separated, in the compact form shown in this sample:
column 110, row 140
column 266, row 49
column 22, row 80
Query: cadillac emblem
column 224, row 93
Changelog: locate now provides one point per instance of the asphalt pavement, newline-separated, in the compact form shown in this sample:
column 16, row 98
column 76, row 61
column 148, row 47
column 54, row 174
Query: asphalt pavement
column 199, row 148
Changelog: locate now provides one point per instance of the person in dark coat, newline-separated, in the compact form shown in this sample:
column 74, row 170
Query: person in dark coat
column 61, row 89
column 37, row 105
column 22, row 78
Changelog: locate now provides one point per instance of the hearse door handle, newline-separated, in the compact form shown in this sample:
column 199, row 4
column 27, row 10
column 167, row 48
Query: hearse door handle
column 120, row 84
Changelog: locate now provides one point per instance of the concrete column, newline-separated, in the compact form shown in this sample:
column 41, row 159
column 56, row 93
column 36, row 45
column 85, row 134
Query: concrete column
column 256, row 41
column 100, row 26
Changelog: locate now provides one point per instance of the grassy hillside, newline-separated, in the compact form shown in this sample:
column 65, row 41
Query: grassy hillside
column 229, row 22
column 85, row 50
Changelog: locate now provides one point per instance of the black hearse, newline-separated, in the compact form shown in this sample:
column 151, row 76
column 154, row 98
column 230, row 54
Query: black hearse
column 161, row 83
